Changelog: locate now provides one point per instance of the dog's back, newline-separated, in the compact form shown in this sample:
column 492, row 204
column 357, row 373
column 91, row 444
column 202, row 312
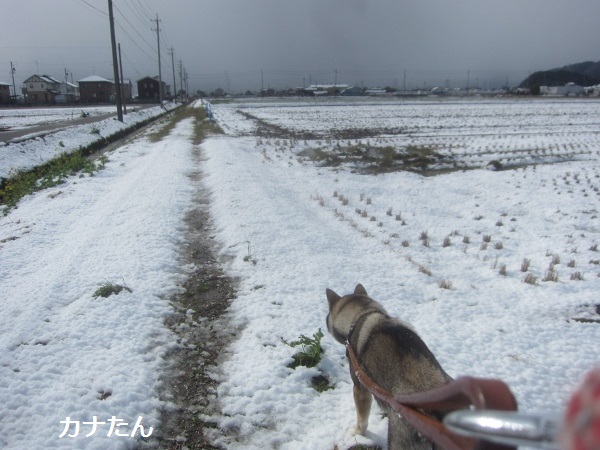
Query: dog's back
column 391, row 353
column 394, row 356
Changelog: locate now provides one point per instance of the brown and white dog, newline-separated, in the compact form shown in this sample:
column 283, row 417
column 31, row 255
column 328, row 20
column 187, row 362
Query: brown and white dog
column 391, row 353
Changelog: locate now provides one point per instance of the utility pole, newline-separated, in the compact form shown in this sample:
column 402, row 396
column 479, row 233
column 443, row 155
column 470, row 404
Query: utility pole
column 404, row 82
column 181, row 77
column 12, row 71
column 160, row 89
column 468, row 80
column 122, row 94
column 173, row 64
column 185, row 78
column 115, row 65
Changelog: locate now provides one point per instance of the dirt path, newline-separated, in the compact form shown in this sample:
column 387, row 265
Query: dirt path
column 204, row 332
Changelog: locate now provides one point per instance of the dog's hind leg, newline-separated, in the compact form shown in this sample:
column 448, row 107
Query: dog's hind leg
column 362, row 402
column 401, row 436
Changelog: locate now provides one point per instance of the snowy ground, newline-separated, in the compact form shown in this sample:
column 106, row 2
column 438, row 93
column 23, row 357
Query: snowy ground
column 65, row 353
column 25, row 154
column 289, row 228
column 292, row 229
column 14, row 119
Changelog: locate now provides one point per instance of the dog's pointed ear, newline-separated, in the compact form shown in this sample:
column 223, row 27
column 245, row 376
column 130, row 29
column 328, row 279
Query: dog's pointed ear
column 332, row 297
column 360, row 289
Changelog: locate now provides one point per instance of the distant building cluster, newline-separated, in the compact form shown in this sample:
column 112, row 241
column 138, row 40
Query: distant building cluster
column 47, row 90
column 325, row 90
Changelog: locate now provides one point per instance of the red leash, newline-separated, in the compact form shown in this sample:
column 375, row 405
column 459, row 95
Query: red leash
column 464, row 392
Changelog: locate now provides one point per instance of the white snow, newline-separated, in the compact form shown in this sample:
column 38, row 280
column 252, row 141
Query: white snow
column 15, row 119
column 26, row 154
column 61, row 348
column 287, row 238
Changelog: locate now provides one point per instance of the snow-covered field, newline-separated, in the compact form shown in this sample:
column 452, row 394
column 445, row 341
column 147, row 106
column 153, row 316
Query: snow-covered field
column 25, row 154
column 291, row 229
column 290, row 226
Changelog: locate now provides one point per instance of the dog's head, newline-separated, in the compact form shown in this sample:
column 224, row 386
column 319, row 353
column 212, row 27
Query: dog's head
column 344, row 311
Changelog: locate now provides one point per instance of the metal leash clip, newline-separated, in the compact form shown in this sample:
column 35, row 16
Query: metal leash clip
column 505, row 427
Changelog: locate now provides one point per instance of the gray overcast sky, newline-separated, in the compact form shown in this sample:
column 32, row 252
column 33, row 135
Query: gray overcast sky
column 226, row 43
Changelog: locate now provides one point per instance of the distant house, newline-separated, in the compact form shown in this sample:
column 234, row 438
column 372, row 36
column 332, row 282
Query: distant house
column 325, row 89
column 4, row 93
column 148, row 89
column 562, row 91
column 593, row 91
column 69, row 93
column 126, row 90
column 352, row 91
column 376, row 92
column 95, row 89
column 41, row 89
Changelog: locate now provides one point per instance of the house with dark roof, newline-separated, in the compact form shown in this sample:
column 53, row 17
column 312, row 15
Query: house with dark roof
column 148, row 89
column 41, row 89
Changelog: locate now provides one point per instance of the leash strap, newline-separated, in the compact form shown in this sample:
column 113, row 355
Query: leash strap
column 464, row 392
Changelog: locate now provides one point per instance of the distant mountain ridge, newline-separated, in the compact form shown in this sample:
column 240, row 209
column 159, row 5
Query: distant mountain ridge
column 584, row 74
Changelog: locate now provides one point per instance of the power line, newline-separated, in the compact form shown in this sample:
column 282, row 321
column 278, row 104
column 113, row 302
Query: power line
column 146, row 11
column 133, row 27
column 132, row 65
column 163, row 60
column 134, row 42
column 93, row 7
column 136, row 12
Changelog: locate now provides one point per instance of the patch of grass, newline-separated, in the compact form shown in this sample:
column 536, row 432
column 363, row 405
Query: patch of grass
column 169, row 124
column 311, row 352
column 577, row 276
column 530, row 279
column 53, row 173
column 320, row 383
column 502, row 270
column 109, row 288
column 424, row 270
column 445, row 284
column 202, row 126
column 551, row 275
column 103, row 395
